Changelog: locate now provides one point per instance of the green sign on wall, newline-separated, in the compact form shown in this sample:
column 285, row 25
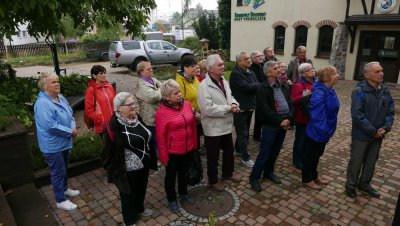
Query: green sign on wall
column 249, row 16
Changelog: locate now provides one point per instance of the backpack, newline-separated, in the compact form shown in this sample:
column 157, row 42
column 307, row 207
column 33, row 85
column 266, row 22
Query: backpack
column 88, row 121
column 305, row 104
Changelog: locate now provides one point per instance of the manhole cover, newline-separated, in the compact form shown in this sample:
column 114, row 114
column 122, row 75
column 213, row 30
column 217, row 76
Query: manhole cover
column 209, row 202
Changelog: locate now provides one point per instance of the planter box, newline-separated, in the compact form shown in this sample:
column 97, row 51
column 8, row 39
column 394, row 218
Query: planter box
column 15, row 161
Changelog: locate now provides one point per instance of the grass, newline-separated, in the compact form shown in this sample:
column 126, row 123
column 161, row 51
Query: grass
column 84, row 148
column 43, row 59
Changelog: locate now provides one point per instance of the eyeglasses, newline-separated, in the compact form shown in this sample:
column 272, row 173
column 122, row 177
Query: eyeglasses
column 131, row 105
column 275, row 68
column 259, row 56
column 194, row 67
column 147, row 69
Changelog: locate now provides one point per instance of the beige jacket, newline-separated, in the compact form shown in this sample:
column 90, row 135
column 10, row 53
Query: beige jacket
column 216, row 114
column 149, row 97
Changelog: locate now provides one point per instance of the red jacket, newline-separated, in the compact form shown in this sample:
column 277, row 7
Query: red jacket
column 296, row 95
column 104, row 103
column 176, row 131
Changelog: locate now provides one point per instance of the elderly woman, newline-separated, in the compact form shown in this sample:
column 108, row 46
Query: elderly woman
column 126, row 157
column 282, row 76
column 324, row 107
column 300, row 89
column 176, row 138
column 148, row 95
column 55, row 126
column 201, row 70
column 189, row 86
column 99, row 98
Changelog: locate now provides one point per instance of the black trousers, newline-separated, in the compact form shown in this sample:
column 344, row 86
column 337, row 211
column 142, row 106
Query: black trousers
column 132, row 204
column 214, row 145
column 312, row 153
column 178, row 165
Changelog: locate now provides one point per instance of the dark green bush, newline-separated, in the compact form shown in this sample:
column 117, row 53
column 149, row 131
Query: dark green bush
column 84, row 148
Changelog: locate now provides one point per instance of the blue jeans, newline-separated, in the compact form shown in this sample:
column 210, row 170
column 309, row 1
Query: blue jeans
column 271, row 144
column 242, row 122
column 58, row 165
column 298, row 146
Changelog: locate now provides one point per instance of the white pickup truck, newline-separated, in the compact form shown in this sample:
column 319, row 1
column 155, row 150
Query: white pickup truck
column 130, row 53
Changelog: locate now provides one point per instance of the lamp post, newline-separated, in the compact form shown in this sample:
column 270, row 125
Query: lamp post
column 204, row 43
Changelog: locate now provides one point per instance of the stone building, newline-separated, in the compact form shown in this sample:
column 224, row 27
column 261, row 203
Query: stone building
column 346, row 34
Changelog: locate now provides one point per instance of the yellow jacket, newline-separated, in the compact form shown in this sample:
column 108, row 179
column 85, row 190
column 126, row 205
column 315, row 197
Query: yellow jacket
column 189, row 89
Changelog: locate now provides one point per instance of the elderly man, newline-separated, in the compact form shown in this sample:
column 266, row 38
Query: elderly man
column 244, row 87
column 257, row 64
column 301, row 57
column 372, row 112
column 217, row 107
column 269, row 55
column 276, row 114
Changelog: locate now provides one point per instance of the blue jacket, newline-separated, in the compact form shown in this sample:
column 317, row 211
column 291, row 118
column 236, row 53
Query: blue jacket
column 54, row 123
column 324, row 107
column 244, row 86
column 370, row 110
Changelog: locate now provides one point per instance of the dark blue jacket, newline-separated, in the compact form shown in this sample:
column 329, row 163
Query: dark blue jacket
column 324, row 107
column 370, row 110
column 244, row 86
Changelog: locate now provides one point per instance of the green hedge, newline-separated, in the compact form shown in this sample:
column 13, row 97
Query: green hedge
column 18, row 95
column 84, row 148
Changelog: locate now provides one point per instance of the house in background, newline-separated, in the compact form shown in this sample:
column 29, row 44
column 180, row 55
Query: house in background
column 22, row 37
column 346, row 34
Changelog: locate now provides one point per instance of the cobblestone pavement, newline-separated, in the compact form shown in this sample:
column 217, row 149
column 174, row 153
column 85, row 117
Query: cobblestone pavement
column 286, row 204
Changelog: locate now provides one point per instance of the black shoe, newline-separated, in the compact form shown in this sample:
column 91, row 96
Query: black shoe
column 275, row 179
column 370, row 191
column 351, row 192
column 255, row 185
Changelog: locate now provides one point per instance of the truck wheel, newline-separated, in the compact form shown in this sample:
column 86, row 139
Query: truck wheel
column 135, row 63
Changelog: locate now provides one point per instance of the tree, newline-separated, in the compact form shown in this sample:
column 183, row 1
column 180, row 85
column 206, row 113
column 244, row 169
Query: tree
column 224, row 23
column 176, row 18
column 44, row 18
column 206, row 27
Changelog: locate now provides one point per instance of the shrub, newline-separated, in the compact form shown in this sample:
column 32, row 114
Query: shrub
column 192, row 43
column 84, row 148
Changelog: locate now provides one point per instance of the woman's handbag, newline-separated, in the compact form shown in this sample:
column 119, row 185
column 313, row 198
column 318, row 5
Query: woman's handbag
column 195, row 173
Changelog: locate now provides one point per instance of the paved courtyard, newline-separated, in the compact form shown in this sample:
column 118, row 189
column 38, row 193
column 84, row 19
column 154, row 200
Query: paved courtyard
column 286, row 204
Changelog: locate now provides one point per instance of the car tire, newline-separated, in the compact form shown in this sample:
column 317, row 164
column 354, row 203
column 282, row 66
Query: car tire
column 134, row 64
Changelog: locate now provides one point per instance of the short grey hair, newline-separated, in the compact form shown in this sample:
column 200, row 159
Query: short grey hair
column 366, row 68
column 44, row 79
column 304, row 66
column 120, row 99
column 239, row 55
column 268, row 65
column 254, row 54
column 211, row 59
column 167, row 87
column 299, row 48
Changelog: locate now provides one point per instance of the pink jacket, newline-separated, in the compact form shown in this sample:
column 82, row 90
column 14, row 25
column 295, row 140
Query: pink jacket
column 296, row 94
column 176, row 131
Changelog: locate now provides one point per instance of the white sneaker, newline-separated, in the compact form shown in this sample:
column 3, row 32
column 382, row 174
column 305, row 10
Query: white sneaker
column 249, row 163
column 67, row 205
column 146, row 213
column 71, row 193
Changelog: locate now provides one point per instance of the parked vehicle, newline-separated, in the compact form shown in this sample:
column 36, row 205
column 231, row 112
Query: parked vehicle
column 131, row 53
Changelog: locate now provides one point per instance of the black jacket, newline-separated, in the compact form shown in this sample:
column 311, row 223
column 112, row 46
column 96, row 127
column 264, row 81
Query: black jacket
column 113, row 156
column 370, row 110
column 266, row 108
column 258, row 71
column 244, row 86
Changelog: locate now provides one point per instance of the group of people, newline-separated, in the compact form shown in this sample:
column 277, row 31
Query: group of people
column 172, row 115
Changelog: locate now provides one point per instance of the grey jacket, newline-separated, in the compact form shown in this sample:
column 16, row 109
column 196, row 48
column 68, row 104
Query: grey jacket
column 149, row 98
column 216, row 114
column 370, row 110
column 293, row 68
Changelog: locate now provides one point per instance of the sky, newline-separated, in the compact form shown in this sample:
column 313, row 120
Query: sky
column 166, row 8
